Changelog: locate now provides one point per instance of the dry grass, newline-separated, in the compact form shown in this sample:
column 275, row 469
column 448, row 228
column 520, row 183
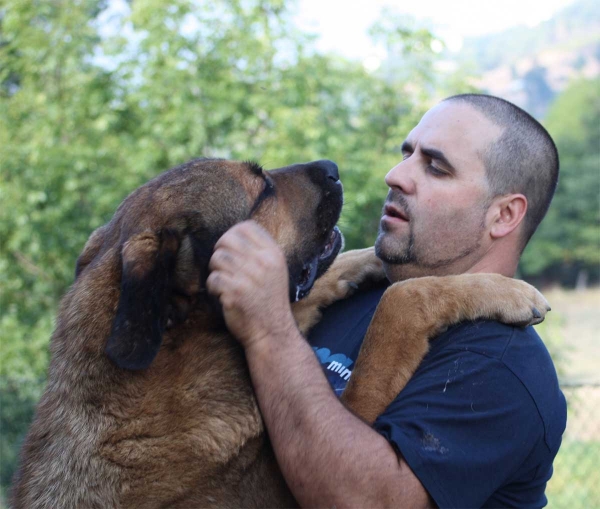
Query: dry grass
column 572, row 333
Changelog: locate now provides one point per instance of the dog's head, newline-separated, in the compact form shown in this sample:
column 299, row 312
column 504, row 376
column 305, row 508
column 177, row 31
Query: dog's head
column 166, row 231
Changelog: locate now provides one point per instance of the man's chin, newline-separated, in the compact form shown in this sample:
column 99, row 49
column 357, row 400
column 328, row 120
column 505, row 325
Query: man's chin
column 392, row 251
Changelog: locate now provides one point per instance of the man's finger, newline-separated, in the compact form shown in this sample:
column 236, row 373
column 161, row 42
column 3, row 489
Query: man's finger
column 222, row 259
column 218, row 282
column 235, row 239
column 256, row 233
column 244, row 236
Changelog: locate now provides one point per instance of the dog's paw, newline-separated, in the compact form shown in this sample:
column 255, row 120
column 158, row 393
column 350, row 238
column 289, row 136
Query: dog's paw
column 520, row 303
column 354, row 269
column 350, row 271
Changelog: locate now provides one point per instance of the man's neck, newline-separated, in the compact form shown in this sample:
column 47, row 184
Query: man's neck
column 508, row 268
column 488, row 264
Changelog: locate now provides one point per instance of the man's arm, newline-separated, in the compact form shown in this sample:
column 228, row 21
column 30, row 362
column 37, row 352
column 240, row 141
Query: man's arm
column 328, row 456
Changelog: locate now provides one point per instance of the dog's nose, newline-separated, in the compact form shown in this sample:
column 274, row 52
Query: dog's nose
column 330, row 169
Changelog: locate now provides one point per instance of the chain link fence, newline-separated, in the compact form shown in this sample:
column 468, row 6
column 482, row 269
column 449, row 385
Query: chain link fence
column 576, row 480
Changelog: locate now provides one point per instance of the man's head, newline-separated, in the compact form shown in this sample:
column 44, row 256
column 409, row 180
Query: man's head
column 476, row 179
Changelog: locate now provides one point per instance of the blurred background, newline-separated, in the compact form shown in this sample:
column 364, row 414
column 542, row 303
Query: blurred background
column 97, row 97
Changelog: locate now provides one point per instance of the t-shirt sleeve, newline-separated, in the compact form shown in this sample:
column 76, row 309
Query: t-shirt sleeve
column 464, row 423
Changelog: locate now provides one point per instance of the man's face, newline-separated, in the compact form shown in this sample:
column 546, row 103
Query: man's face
column 434, row 217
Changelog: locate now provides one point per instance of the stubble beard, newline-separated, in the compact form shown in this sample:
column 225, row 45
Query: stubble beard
column 404, row 250
column 395, row 251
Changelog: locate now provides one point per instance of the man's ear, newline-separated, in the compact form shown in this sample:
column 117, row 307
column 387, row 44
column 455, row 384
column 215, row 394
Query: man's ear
column 147, row 281
column 506, row 214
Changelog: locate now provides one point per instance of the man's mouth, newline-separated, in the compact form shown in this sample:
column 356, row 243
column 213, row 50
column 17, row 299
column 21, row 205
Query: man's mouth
column 394, row 212
column 319, row 264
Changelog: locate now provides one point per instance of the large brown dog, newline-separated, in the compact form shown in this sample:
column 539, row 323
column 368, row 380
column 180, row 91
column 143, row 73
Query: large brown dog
column 149, row 402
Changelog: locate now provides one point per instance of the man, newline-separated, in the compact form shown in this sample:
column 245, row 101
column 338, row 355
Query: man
column 481, row 420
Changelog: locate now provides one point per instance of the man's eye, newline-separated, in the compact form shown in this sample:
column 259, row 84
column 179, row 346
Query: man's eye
column 436, row 171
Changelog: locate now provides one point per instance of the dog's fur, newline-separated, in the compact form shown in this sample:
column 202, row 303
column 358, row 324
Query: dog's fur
column 149, row 401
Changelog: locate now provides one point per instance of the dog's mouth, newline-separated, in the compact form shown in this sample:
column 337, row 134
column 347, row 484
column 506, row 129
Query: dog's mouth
column 317, row 266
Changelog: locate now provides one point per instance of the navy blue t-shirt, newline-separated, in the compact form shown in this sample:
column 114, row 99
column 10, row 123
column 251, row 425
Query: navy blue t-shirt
column 481, row 420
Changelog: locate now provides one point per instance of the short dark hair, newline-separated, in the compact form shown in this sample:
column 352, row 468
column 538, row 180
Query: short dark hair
column 522, row 160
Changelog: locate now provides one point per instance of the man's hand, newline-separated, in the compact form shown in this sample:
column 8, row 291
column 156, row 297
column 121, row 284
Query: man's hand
column 249, row 276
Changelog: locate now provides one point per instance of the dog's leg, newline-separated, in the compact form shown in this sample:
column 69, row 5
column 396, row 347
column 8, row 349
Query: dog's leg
column 414, row 311
column 349, row 270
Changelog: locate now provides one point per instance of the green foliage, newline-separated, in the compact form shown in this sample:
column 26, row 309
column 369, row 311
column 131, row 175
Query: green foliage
column 92, row 106
column 568, row 239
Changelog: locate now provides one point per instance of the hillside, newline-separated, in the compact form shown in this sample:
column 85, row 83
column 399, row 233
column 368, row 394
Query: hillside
column 529, row 66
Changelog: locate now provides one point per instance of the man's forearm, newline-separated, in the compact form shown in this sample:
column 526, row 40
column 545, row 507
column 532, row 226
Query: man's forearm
column 328, row 456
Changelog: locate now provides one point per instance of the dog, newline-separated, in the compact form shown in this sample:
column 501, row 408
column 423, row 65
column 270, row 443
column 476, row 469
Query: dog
column 149, row 401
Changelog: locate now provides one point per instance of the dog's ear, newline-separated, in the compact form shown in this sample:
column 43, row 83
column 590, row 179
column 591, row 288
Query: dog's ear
column 90, row 250
column 147, row 281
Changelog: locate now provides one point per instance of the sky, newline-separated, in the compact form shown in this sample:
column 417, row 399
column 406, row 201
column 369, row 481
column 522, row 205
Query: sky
column 342, row 24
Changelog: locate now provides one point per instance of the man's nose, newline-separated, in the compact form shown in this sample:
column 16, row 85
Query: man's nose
column 400, row 177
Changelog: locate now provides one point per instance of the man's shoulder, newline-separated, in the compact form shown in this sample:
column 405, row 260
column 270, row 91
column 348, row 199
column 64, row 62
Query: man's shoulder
column 519, row 353
column 489, row 338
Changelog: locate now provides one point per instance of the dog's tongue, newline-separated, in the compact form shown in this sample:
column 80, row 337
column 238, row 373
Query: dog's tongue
column 328, row 249
column 303, row 288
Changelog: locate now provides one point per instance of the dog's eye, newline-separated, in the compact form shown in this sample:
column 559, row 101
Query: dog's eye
column 268, row 191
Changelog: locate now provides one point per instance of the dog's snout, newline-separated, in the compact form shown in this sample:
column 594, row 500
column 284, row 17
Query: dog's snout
column 329, row 168
column 324, row 173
